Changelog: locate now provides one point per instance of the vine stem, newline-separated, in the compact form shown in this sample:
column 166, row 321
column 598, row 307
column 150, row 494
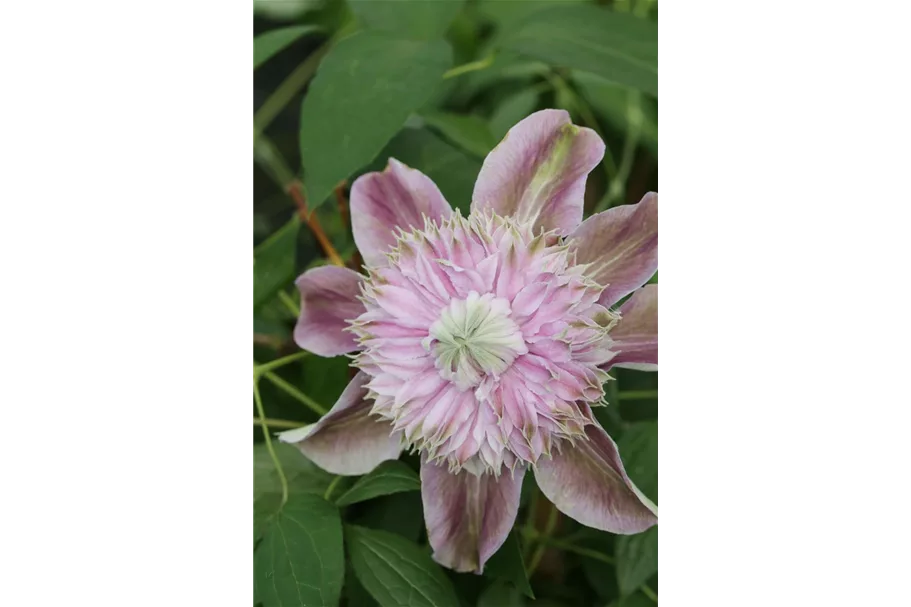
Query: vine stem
column 295, row 190
column 286, row 91
column 262, row 418
column 295, row 393
column 649, row 592
column 465, row 68
column 277, row 423
column 542, row 546
column 279, row 362
column 331, row 487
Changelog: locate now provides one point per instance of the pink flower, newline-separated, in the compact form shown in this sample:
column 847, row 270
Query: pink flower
column 483, row 342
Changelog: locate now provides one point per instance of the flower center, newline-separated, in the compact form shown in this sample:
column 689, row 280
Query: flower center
column 473, row 338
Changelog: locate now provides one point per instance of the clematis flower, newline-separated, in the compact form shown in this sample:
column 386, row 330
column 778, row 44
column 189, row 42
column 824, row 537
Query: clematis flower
column 483, row 342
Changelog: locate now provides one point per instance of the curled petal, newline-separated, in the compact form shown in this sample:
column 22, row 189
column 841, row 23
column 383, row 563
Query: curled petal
column 468, row 516
column 347, row 440
column 636, row 337
column 399, row 197
column 537, row 173
column 328, row 301
column 621, row 244
column 587, row 482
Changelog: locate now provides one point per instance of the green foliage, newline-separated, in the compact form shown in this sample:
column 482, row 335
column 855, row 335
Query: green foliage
column 436, row 85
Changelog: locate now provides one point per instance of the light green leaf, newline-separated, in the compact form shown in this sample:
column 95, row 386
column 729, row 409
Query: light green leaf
column 470, row 133
column 619, row 107
column 452, row 170
column 511, row 111
column 273, row 262
column 639, row 452
column 284, row 10
column 415, row 20
column 300, row 560
column 361, row 96
column 387, row 478
column 268, row 44
column 617, row 46
column 507, row 564
column 397, row 572
column 501, row 594
column 637, row 559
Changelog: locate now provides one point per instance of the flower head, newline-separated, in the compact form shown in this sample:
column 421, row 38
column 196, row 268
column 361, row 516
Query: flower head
column 484, row 341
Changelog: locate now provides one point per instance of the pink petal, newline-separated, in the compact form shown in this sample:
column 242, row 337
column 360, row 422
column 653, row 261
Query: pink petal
column 538, row 171
column 636, row 337
column 468, row 517
column 587, row 482
column 398, row 197
column 347, row 440
column 621, row 244
column 328, row 301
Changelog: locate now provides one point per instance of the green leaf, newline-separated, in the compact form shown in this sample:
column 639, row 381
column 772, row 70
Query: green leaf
column 639, row 452
column 470, row 133
column 303, row 475
column 501, row 594
column 387, row 478
column 415, row 20
column 637, row 559
column 283, row 10
column 300, row 560
column 617, row 46
column 619, row 106
column 365, row 89
column 507, row 564
column 452, row 170
column 268, row 44
column 400, row 513
column 273, row 262
column 397, row 572
column 511, row 111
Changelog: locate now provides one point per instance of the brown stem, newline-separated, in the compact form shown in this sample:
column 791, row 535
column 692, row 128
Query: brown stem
column 295, row 190
column 342, row 202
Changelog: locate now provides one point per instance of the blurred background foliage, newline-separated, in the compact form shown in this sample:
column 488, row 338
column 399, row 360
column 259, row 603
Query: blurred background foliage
column 339, row 87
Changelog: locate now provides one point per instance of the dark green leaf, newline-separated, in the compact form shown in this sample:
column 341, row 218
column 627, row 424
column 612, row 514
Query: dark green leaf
column 619, row 105
column 617, row 46
column 324, row 379
column 273, row 262
column 268, row 44
column 300, row 560
column 507, row 14
column 387, row 478
column 355, row 593
column 470, row 133
column 397, row 572
column 637, row 559
column 401, row 513
column 636, row 600
column 507, row 564
column 415, row 20
column 639, row 452
column 511, row 111
column 361, row 96
column 452, row 170
column 501, row 594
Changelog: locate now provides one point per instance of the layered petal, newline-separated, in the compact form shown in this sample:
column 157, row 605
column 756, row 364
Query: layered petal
column 587, row 482
column 537, row 173
column 348, row 440
column 621, row 246
column 468, row 516
column 399, row 197
column 636, row 336
column 328, row 301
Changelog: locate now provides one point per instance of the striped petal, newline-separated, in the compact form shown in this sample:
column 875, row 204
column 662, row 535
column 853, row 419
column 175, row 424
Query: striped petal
column 636, row 336
column 328, row 302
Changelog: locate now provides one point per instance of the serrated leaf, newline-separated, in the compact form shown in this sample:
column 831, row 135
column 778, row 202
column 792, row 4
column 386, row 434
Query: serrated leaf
column 637, row 559
column 363, row 93
column 507, row 564
column 397, row 572
column 415, row 20
column 387, row 478
column 265, row 46
column 470, row 133
column 617, row 46
column 300, row 560
column 273, row 262
column 639, row 451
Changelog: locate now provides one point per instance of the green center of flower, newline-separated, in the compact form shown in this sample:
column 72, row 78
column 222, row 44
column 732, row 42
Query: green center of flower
column 473, row 338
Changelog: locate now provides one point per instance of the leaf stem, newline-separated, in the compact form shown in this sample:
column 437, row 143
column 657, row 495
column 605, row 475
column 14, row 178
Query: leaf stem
column 289, row 303
column 534, row 536
column 295, row 393
column 331, row 487
column 637, row 394
column 277, row 423
column 473, row 66
column 262, row 419
column 552, row 516
column 649, row 593
column 617, row 188
column 278, row 362
column 295, row 190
